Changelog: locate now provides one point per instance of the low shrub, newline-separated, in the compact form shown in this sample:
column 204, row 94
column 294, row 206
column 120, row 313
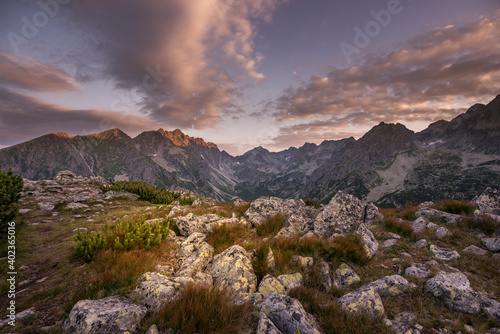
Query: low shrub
column 11, row 186
column 147, row 192
column 203, row 310
column 123, row 236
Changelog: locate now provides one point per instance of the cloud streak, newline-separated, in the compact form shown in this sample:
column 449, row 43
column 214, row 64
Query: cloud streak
column 26, row 73
column 432, row 76
column 201, row 50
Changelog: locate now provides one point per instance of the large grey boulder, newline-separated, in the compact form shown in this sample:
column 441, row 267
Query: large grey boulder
column 290, row 281
column 454, row 290
column 264, row 207
column 365, row 301
column 340, row 216
column 233, row 270
column 436, row 215
column 288, row 315
column 418, row 271
column 115, row 314
column 154, row 290
column 192, row 223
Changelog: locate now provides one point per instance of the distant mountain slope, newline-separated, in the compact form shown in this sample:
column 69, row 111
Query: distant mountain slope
column 390, row 164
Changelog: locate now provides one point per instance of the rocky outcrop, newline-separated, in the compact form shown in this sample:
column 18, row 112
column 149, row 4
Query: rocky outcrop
column 154, row 290
column 232, row 270
column 366, row 301
column 370, row 244
column 436, row 215
column 454, row 290
column 445, row 254
column 264, row 207
column 345, row 276
column 115, row 314
column 288, row 315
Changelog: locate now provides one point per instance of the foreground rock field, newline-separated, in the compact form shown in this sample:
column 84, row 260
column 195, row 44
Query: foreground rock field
column 287, row 266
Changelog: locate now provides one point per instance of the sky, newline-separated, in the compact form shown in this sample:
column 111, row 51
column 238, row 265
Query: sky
column 243, row 73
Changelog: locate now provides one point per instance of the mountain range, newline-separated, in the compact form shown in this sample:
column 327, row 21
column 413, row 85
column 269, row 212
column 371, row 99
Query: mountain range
column 389, row 165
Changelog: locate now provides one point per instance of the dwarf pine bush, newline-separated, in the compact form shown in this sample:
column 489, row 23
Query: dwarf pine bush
column 123, row 236
column 148, row 192
column 11, row 186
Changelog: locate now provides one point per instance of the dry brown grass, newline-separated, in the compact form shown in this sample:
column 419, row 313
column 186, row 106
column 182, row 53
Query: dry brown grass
column 331, row 318
column 201, row 310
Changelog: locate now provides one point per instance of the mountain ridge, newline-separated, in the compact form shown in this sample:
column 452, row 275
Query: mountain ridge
column 390, row 163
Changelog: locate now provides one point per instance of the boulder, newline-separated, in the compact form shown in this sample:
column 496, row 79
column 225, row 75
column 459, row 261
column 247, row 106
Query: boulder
column 454, row 290
column 475, row 250
column 418, row 270
column 115, row 314
column 121, row 193
column 389, row 286
column 154, row 290
column 264, row 207
column 200, row 255
column 492, row 244
column 345, row 276
column 419, row 225
column 445, row 254
column 176, row 211
column 389, row 243
column 288, row 315
column 232, row 270
column 443, row 232
column 295, row 225
column 266, row 326
column 302, row 261
column 269, row 285
column 46, row 206
column 491, row 308
column 370, row 244
column 419, row 244
column 340, row 216
column 365, row 301
column 436, row 215
column 76, row 206
column 489, row 201
column 290, row 281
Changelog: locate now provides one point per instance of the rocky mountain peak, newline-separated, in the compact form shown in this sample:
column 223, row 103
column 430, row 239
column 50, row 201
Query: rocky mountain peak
column 180, row 139
column 113, row 133
column 62, row 135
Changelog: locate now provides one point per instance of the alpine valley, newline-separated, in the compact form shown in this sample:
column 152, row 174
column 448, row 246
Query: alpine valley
column 389, row 165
